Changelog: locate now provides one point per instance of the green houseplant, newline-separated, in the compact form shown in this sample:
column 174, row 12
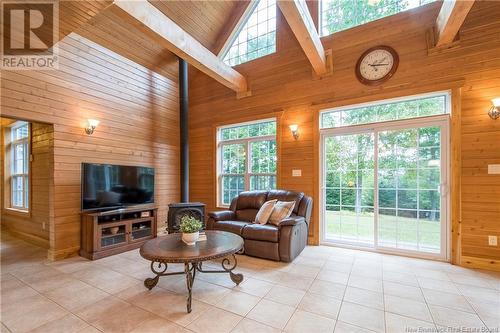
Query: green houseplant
column 190, row 228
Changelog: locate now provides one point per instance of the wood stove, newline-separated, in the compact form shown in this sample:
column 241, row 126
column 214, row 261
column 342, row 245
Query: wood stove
column 195, row 209
column 177, row 210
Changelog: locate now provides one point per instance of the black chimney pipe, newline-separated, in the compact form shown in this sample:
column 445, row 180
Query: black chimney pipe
column 183, row 110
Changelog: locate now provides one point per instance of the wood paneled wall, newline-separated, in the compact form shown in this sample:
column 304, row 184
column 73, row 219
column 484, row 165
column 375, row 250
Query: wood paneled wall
column 34, row 225
column 480, row 190
column 138, row 111
column 283, row 82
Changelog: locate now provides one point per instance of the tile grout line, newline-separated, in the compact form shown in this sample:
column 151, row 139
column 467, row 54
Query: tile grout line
column 460, row 294
column 297, row 307
column 273, row 284
column 120, row 299
column 473, row 308
column 343, row 295
column 53, row 301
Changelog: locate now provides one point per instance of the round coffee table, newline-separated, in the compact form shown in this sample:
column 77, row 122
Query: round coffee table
column 171, row 249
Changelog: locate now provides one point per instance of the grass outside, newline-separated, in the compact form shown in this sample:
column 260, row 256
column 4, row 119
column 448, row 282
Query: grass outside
column 399, row 232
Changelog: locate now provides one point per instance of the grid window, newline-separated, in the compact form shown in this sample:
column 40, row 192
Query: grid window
column 409, row 177
column 382, row 181
column 247, row 155
column 420, row 107
column 349, row 187
column 338, row 15
column 257, row 37
column 18, row 148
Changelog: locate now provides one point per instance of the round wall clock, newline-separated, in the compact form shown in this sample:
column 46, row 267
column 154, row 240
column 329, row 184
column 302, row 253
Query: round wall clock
column 377, row 65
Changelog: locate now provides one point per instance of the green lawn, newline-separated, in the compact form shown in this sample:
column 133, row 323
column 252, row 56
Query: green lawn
column 392, row 230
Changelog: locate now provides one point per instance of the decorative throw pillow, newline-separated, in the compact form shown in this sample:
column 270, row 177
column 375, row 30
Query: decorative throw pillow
column 282, row 210
column 265, row 212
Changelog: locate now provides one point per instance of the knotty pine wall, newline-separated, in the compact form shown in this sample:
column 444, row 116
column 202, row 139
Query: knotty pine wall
column 138, row 111
column 34, row 225
column 282, row 84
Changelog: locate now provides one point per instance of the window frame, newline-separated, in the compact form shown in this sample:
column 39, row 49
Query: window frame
column 248, row 155
column 443, row 120
column 9, row 175
column 239, row 27
column 444, row 93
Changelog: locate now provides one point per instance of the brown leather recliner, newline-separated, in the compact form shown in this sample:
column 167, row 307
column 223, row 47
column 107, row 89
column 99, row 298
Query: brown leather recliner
column 266, row 241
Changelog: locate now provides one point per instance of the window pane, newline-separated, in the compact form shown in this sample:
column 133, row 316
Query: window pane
column 337, row 15
column 390, row 111
column 262, row 183
column 20, row 132
column 18, row 160
column 248, row 131
column 263, row 156
column 231, row 187
column 17, row 191
column 233, row 158
column 409, row 199
column 349, row 193
column 257, row 37
column 19, row 164
column 261, row 159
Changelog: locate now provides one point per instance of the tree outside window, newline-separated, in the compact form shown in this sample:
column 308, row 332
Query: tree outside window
column 247, row 159
column 408, row 172
column 256, row 38
column 338, row 15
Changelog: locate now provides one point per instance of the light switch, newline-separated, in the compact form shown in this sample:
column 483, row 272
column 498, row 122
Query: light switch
column 494, row 169
column 296, row 173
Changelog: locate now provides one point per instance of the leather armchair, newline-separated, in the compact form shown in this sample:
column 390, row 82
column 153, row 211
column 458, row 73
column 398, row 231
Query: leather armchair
column 291, row 221
column 222, row 215
column 283, row 242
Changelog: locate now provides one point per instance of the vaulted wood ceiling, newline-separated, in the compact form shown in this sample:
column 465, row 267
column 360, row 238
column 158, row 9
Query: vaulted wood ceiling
column 204, row 20
column 111, row 31
column 210, row 22
column 74, row 14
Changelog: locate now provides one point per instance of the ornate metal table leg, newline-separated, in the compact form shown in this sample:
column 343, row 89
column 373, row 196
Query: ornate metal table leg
column 150, row 283
column 226, row 265
column 190, row 270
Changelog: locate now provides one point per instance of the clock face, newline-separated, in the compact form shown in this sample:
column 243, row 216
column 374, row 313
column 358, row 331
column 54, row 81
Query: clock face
column 377, row 65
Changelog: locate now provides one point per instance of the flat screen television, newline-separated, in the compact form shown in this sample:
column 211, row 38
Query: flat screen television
column 106, row 186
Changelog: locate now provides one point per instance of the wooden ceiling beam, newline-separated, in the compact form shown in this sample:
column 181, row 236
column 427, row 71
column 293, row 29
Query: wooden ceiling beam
column 167, row 33
column 450, row 19
column 300, row 21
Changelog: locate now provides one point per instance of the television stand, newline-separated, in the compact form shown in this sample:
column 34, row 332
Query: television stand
column 111, row 232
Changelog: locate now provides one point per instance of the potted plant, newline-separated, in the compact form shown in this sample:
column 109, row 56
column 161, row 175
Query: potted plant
column 190, row 228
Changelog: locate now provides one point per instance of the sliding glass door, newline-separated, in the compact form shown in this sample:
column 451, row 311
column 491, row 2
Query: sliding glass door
column 409, row 178
column 349, row 188
column 384, row 185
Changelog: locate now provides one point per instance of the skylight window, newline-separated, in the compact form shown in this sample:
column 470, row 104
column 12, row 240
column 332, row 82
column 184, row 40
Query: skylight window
column 256, row 38
column 338, row 15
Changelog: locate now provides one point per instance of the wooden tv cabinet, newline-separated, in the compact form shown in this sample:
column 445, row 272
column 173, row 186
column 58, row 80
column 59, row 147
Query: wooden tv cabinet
column 112, row 232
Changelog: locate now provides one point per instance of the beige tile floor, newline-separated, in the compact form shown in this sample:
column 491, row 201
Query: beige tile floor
column 326, row 289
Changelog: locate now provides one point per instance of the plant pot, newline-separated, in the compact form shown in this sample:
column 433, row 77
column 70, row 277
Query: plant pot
column 190, row 238
column 114, row 230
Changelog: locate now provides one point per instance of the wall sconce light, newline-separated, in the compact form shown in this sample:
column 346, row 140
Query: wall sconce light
column 91, row 126
column 494, row 112
column 295, row 130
